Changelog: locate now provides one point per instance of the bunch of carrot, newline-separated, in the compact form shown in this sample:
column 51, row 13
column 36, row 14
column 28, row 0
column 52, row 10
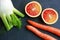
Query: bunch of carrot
column 53, row 30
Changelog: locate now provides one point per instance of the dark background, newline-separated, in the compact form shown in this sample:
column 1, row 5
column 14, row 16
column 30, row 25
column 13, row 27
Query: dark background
column 23, row 33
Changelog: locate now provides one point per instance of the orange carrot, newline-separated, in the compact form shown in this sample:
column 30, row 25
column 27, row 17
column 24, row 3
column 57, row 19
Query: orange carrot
column 40, row 34
column 53, row 30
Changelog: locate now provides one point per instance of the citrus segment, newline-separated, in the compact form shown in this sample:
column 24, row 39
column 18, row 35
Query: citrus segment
column 33, row 9
column 49, row 16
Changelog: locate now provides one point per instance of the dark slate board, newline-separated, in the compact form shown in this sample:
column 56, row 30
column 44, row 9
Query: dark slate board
column 23, row 33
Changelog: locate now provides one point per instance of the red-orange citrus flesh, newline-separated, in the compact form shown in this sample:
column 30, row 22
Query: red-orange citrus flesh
column 33, row 9
column 49, row 16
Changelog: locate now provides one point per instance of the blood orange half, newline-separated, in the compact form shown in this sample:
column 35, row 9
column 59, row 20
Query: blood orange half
column 33, row 9
column 49, row 15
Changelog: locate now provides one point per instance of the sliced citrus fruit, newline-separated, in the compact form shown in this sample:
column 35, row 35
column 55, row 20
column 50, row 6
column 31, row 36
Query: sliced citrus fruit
column 49, row 15
column 33, row 9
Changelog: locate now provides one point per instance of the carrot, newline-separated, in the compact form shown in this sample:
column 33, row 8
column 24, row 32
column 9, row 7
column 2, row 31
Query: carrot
column 53, row 30
column 40, row 34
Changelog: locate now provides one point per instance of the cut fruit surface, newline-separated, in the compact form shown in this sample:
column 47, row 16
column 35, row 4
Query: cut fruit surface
column 49, row 16
column 33, row 9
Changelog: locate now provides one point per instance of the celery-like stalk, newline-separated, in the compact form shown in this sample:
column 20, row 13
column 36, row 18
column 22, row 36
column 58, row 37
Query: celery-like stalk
column 7, row 25
column 8, row 14
column 18, row 12
column 18, row 24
